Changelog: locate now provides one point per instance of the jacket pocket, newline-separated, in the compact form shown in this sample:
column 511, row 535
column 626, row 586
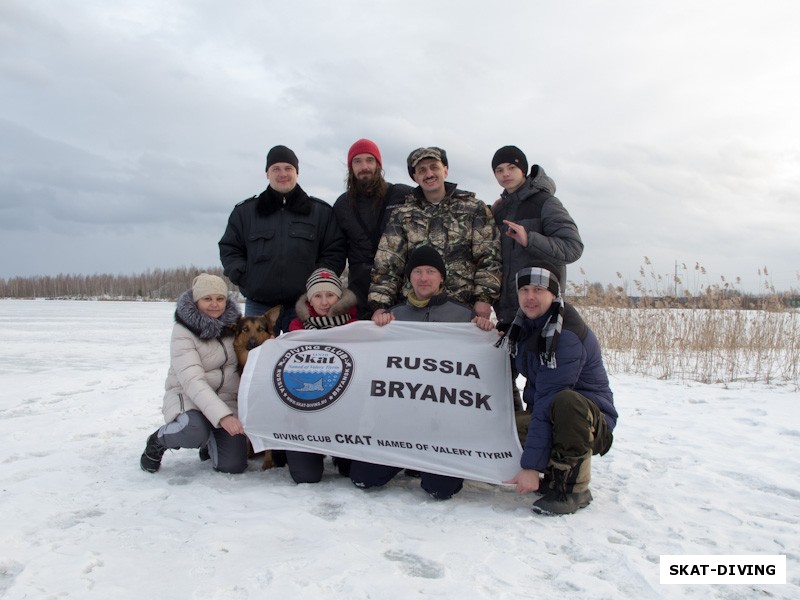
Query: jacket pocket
column 259, row 244
column 302, row 231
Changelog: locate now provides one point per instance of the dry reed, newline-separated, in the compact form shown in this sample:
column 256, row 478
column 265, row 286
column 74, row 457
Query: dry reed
column 715, row 336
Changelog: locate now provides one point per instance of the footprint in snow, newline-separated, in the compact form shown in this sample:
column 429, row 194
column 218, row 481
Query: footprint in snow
column 415, row 565
column 330, row 511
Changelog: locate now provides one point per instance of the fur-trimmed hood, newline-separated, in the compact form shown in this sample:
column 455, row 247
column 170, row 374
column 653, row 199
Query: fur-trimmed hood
column 200, row 324
column 343, row 306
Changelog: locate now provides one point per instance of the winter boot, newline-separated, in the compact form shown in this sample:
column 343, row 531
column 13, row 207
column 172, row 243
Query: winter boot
column 545, row 483
column 204, row 453
column 570, row 488
column 151, row 457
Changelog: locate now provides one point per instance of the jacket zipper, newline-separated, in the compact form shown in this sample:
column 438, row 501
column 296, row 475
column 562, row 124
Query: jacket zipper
column 222, row 368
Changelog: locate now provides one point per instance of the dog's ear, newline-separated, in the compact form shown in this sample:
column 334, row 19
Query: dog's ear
column 237, row 327
column 272, row 317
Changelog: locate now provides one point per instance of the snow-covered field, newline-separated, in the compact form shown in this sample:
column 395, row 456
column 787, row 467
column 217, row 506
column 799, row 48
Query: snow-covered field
column 695, row 469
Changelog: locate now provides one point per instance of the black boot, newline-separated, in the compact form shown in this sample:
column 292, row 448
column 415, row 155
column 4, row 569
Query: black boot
column 545, row 483
column 570, row 489
column 151, row 457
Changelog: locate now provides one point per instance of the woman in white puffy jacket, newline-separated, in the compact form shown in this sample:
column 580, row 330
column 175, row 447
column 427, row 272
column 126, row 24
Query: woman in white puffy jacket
column 200, row 407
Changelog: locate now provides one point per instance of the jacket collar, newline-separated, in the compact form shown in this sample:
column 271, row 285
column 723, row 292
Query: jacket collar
column 296, row 201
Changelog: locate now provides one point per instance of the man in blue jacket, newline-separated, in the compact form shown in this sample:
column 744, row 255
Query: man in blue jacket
column 572, row 407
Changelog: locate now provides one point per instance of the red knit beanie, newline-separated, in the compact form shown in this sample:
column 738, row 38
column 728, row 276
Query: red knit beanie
column 364, row 146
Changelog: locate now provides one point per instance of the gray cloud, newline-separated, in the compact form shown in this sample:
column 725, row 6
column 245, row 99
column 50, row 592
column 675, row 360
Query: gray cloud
column 127, row 133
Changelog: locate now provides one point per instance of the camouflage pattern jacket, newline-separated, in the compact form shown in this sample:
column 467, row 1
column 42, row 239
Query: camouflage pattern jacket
column 460, row 227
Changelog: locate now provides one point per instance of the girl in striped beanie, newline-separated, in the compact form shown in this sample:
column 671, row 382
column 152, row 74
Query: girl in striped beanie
column 325, row 304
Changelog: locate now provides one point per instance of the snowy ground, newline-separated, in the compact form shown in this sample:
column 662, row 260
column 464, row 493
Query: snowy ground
column 694, row 470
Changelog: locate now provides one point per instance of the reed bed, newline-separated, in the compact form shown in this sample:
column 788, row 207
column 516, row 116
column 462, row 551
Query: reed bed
column 704, row 345
column 716, row 335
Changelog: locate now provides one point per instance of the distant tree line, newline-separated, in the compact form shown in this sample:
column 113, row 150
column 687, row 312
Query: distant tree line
column 711, row 297
column 156, row 284
column 168, row 284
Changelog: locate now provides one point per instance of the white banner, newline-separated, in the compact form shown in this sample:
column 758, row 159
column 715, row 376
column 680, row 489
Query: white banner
column 435, row 397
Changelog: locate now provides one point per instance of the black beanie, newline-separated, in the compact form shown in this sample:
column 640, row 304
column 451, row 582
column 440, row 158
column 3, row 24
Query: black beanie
column 282, row 154
column 425, row 256
column 510, row 154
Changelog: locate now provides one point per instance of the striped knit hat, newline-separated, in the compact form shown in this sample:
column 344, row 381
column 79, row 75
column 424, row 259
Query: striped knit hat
column 323, row 280
column 544, row 276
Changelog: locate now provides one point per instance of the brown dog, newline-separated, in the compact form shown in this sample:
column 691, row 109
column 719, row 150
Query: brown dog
column 251, row 332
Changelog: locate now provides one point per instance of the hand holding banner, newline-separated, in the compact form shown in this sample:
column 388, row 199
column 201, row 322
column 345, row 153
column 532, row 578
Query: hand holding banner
column 435, row 397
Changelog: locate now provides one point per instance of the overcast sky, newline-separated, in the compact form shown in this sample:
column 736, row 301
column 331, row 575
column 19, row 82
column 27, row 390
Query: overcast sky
column 128, row 130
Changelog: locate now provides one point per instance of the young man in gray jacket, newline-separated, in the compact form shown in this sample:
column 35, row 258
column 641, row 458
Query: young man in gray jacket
column 534, row 225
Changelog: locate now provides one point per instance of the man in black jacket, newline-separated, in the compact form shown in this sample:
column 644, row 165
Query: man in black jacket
column 362, row 212
column 276, row 239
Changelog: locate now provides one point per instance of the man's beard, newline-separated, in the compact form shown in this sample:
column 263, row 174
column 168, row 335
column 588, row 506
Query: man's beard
column 371, row 187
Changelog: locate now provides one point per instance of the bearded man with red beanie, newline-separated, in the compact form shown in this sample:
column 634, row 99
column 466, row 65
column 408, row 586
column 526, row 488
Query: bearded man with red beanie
column 362, row 213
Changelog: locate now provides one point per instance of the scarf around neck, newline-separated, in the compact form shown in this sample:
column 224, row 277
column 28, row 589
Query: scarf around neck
column 326, row 322
column 200, row 324
column 546, row 343
column 435, row 299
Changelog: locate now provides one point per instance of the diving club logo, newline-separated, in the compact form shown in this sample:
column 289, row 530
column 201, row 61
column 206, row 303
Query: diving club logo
column 312, row 377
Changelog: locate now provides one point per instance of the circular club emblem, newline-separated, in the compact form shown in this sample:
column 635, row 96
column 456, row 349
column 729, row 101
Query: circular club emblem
column 312, row 377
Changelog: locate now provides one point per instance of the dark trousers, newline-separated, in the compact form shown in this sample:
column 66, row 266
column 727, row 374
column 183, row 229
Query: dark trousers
column 191, row 430
column 579, row 427
column 367, row 475
column 305, row 467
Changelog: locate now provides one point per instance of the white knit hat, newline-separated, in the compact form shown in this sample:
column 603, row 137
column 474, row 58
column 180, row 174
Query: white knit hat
column 323, row 280
column 206, row 284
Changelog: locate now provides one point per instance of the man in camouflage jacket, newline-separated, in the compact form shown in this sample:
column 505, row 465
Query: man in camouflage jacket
column 454, row 222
